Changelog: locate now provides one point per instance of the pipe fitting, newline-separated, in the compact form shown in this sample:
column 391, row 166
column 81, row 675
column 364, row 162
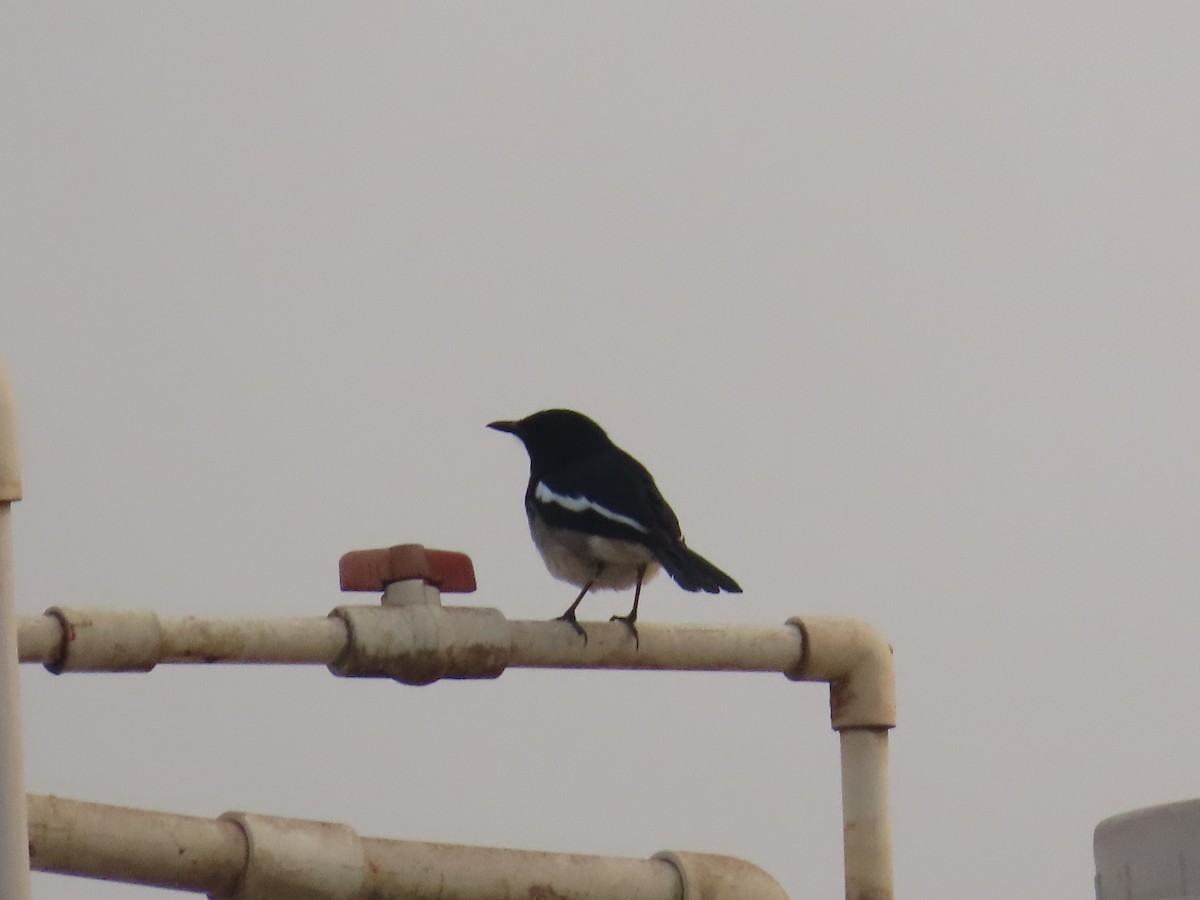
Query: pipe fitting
column 707, row 876
column 422, row 643
column 411, row 592
column 291, row 859
column 857, row 662
column 112, row 640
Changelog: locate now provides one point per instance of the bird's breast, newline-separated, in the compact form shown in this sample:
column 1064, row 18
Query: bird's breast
column 575, row 557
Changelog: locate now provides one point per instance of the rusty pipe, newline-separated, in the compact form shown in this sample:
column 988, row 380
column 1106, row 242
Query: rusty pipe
column 243, row 855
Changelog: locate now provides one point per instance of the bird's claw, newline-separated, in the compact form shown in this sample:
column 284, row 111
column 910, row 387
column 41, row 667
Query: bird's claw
column 629, row 623
column 569, row 618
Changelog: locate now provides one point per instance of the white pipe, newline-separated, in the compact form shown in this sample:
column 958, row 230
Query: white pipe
column 243, row 856
column 38, row 638
column 866, row 819
column 709, row 648
column 421, row 642
column 182, row 853
column 14, row 851
column 856, row 662
column 68, row 639
column 72, row 639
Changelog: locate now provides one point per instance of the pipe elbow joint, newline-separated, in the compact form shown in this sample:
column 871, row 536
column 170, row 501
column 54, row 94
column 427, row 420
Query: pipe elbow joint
column 856, row 661
column 422, row 643
column 706, row 876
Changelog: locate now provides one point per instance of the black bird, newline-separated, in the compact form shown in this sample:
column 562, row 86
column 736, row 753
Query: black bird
column 597, row 517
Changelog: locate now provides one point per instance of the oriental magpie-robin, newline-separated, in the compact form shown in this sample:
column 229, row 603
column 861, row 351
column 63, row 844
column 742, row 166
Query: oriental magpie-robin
column 597, row 517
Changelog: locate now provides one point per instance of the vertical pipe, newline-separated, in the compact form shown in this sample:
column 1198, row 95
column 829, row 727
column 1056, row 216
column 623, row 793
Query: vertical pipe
column 14, row 833
column 867, row 837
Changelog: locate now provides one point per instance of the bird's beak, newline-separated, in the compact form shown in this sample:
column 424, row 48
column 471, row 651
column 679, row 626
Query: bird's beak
column 507, row 427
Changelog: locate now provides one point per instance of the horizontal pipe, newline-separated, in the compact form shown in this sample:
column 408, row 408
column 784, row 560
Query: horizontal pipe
column 708, row 648
column 114, row 640
column 266, row 857
column 182, row 853
column 72, row 639
column 449, row 872
column 424, row 642
column 280, row 640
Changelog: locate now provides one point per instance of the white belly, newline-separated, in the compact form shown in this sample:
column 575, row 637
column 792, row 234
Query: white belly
column 574, row 557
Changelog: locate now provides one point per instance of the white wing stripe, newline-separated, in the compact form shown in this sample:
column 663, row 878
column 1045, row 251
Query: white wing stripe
column 579, row 504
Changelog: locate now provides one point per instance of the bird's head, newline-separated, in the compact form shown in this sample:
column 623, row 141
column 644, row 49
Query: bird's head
column 555, row 436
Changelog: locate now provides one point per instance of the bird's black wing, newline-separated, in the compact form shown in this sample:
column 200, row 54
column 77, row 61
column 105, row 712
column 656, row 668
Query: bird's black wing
column 612, row 495
column 608, row 494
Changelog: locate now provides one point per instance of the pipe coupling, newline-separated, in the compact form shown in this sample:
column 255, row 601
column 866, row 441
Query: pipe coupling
column 292, row 859
column 106, row 640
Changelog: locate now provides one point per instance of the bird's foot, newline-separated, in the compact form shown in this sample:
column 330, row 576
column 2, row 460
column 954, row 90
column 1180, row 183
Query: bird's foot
column 630, row 623
column 569, row 618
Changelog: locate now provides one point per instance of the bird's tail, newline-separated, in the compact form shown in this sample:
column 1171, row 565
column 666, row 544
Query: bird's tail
column 693, row 572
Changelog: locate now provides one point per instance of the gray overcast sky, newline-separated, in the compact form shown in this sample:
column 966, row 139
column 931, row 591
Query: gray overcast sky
column 901, row 306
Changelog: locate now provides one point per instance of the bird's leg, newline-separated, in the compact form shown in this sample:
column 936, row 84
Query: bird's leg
column 569, row 615
column 631, row 619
